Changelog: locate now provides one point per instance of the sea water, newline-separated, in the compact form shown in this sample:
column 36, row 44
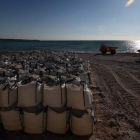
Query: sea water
column 78, row 46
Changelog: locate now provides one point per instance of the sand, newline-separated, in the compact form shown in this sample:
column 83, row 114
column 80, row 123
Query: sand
column 116, row 92
column 116, row 95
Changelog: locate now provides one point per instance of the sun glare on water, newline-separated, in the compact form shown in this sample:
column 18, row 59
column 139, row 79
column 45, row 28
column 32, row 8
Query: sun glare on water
column 137, row 46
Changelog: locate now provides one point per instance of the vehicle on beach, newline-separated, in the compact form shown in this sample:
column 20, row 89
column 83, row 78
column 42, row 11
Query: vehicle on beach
column 104, row 49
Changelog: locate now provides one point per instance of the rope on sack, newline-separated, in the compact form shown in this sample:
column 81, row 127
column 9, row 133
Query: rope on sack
column 45, row 110
column 8, row 94
column 92, row 111
column 21, row 120
column 61, row 93
column 83, row 93
column 7, row 85
column 36, row 92
column 68, row 121
column 71, row 121
column 43, row 121
column 66, row 92
column 89, row 78
column 11, row 89
column 17, row 94
column 42, row 92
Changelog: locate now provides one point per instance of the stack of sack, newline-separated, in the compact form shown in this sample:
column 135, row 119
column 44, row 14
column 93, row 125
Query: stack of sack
column 46, row 91
column 79, row 98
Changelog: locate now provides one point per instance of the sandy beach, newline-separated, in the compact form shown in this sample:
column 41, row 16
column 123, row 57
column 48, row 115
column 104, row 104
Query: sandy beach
column 116, row 93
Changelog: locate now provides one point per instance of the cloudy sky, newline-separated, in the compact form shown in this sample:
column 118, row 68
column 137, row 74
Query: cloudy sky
column 70, row 19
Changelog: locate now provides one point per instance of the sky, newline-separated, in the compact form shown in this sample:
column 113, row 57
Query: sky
column 70, row 19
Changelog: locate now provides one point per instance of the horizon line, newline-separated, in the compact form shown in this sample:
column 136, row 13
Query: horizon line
column 73, row 39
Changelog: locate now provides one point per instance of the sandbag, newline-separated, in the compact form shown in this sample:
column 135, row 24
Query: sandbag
column 1, row 64
column 75, row 97
column 11, row 118
column 18, row 66
column 29, row 94
column 57, row 120
column 60, row 71
column 54, row 96
column 78, row 96
column 34, row 119
column 88, row 96
column 85, row 77
column 81, row 123
column 23, row 72
column 36, row 72
column 53, row 73
column 35, row 77
column 8, row 94
column 86, row 66
column 33, row 65
column 2, row 73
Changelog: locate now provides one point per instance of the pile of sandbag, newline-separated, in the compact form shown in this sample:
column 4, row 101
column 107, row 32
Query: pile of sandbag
column 46, row 91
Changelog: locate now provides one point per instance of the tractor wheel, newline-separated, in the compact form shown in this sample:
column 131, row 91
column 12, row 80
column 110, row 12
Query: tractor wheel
column 113, row 52
column 103, row 52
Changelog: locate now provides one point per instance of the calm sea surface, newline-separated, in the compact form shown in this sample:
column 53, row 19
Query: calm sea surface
column 79, row 46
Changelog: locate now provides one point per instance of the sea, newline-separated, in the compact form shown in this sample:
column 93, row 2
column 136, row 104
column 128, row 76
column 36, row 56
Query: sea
column 76, row 46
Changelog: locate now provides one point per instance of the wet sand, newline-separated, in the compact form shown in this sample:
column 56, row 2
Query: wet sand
column 116, row 92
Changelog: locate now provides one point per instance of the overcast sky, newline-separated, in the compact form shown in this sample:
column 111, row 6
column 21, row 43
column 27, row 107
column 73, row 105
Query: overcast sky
column 70, row 19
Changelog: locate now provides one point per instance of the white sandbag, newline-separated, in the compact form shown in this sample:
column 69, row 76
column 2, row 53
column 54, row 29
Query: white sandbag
column 36, row 72
column 18, row 66
column 26, row 67
column 60, row 71
column 86, row 66
column 23, row 72
column 57, row 120
column 45, row 72
column 88, row 96
column 85, row 77
column 78, row 97
column 12, row 78
column 1, row 64
column 33, row 65
column 29, row 94
column 81, row 123
column 3, row 57
column 34, row 119
column 54, row 96
column 75, row 97
column 11, row 118
column 52, row 73
column 8, row 94
column 35, row 77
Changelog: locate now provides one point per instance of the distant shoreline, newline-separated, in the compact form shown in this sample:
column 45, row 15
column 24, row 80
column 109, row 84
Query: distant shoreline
column 22, row 40
column 16, row 40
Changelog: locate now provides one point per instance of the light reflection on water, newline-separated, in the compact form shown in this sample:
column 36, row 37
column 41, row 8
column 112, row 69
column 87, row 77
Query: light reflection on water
column 136, row 47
